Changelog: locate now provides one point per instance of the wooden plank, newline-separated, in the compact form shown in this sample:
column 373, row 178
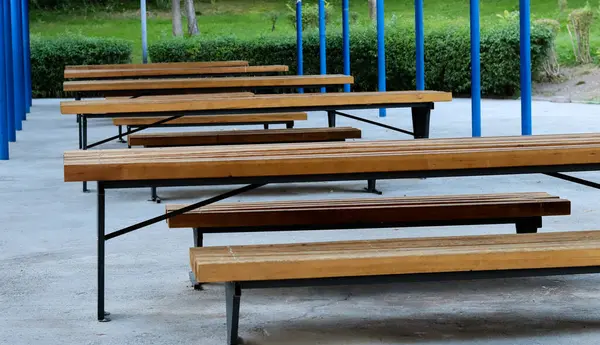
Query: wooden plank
column 207, row 83
column 201, row 64
column 243, row 137
column 354, row 212
column 211, row 119
column 169, row 71
column 323, row 158
column 397, row 256
column 187, row 96
column 262, row 102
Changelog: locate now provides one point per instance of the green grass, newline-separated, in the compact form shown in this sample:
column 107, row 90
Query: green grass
column 251, row 19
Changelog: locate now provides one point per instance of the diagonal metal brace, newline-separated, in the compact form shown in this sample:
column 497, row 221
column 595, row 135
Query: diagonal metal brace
column 183, row 210
column 574, row 179
column 374, row 123
column 131, row 131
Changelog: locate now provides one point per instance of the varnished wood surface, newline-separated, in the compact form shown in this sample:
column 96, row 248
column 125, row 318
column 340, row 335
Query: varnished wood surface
column 169, row 71
column 207, row 83
column 353, row 212
column 188, row 96
column 211, row 119
column 280, row 101
column 243, row 137
column 332, row 158
column 201, row 64
column 396, row 256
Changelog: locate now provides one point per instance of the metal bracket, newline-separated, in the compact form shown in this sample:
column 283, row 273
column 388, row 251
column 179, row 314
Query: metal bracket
column 574, row 179
column 358, row 118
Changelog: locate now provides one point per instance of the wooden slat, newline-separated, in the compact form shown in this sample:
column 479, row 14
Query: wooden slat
column 354, row 212
column 188, row 96
column 169, row 71
column 214, row 119
column 201, row 64
column 257, row 102
column 397, row 256
column 243, row 137
column 208, row 83
column 330, row 158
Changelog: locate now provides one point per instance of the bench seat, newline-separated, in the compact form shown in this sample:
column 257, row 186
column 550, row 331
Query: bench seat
column 215, row 120
column 243, row 137
column 523, row 209
column 392, row 260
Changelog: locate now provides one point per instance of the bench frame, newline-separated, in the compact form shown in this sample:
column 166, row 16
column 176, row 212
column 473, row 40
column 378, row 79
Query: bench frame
column 257, row 182
column 233, row 290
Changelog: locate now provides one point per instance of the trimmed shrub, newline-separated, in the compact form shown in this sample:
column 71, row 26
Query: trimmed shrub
column 447, row 56
column 49, row 56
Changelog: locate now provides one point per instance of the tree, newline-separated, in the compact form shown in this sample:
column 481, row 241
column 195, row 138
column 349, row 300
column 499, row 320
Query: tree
column 373, row 9
column 190, row 13
column 176, row 18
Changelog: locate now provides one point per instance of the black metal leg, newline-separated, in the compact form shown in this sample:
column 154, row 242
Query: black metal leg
column 266, row 126
column 84, row 143
column 198, row 242
column 128, row 130
column 121, row 134
column 154, row 196
column 289, row 124
column 529, row 225
column 420, row 120
column 102, row 314
column 79, row 131
column 372, row 188
column 331, row 118
column 233, row 293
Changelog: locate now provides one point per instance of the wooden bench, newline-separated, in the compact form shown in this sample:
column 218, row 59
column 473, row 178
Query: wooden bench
column 200, row 64
column 159, row 72
column 169, row 86
column 385, row 261
column 243, row 137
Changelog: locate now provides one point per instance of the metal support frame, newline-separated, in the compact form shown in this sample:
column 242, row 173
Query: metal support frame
column 525, row 67
column 4, row 154
column 8, row 60
column 475, row 70
column 346, row 39
column 233, row 294
column 18, row 69
column 103, row 236
column 144, row 25
column 26, row 56
column 299, row 44
column 574, row 179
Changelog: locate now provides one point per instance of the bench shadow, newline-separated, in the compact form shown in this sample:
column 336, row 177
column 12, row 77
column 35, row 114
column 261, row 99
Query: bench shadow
column 423, row 328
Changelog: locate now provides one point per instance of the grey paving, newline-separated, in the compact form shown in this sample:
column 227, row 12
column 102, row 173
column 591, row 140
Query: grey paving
column 47, row 255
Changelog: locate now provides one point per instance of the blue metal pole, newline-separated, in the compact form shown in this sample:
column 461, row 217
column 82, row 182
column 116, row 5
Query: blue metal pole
column 299, row 48
column 420, row 44
column 475, row 71
column 3, row 110
column 524, row 13
column 26, row 56
column 322, row 43
column 381, row 52
column 346, row 40
column 8, row 57
column 18, row 75
column 144, row 31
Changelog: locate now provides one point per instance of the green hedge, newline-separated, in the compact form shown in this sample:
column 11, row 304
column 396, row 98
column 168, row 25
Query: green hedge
column 447, row 56
column 49, row 56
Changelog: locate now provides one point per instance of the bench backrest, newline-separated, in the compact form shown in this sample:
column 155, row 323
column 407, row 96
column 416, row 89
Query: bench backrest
column 169, row 71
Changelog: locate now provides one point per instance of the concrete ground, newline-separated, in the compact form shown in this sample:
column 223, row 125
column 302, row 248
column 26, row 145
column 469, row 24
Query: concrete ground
column 48, row 255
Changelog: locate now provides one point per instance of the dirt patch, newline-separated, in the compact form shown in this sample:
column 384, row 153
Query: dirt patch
column 578, row 84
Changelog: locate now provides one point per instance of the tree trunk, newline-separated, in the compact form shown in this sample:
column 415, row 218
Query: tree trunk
column 176, row 18
column 373, row 9
column 190, row 13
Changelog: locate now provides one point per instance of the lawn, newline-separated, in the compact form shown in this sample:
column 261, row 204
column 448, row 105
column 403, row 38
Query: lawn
column 252, row 19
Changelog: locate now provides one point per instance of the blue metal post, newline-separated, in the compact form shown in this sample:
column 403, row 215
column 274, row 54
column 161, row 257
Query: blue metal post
column 420, row 44
column 8, row 56
column 299, row 48
column 26, row 56
column 322, row 43
column 524, row 13
column 475, row 71
column 381, row 52
column 144, row 31
column 3, row 110
column 346, row 40
column 18, row 75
